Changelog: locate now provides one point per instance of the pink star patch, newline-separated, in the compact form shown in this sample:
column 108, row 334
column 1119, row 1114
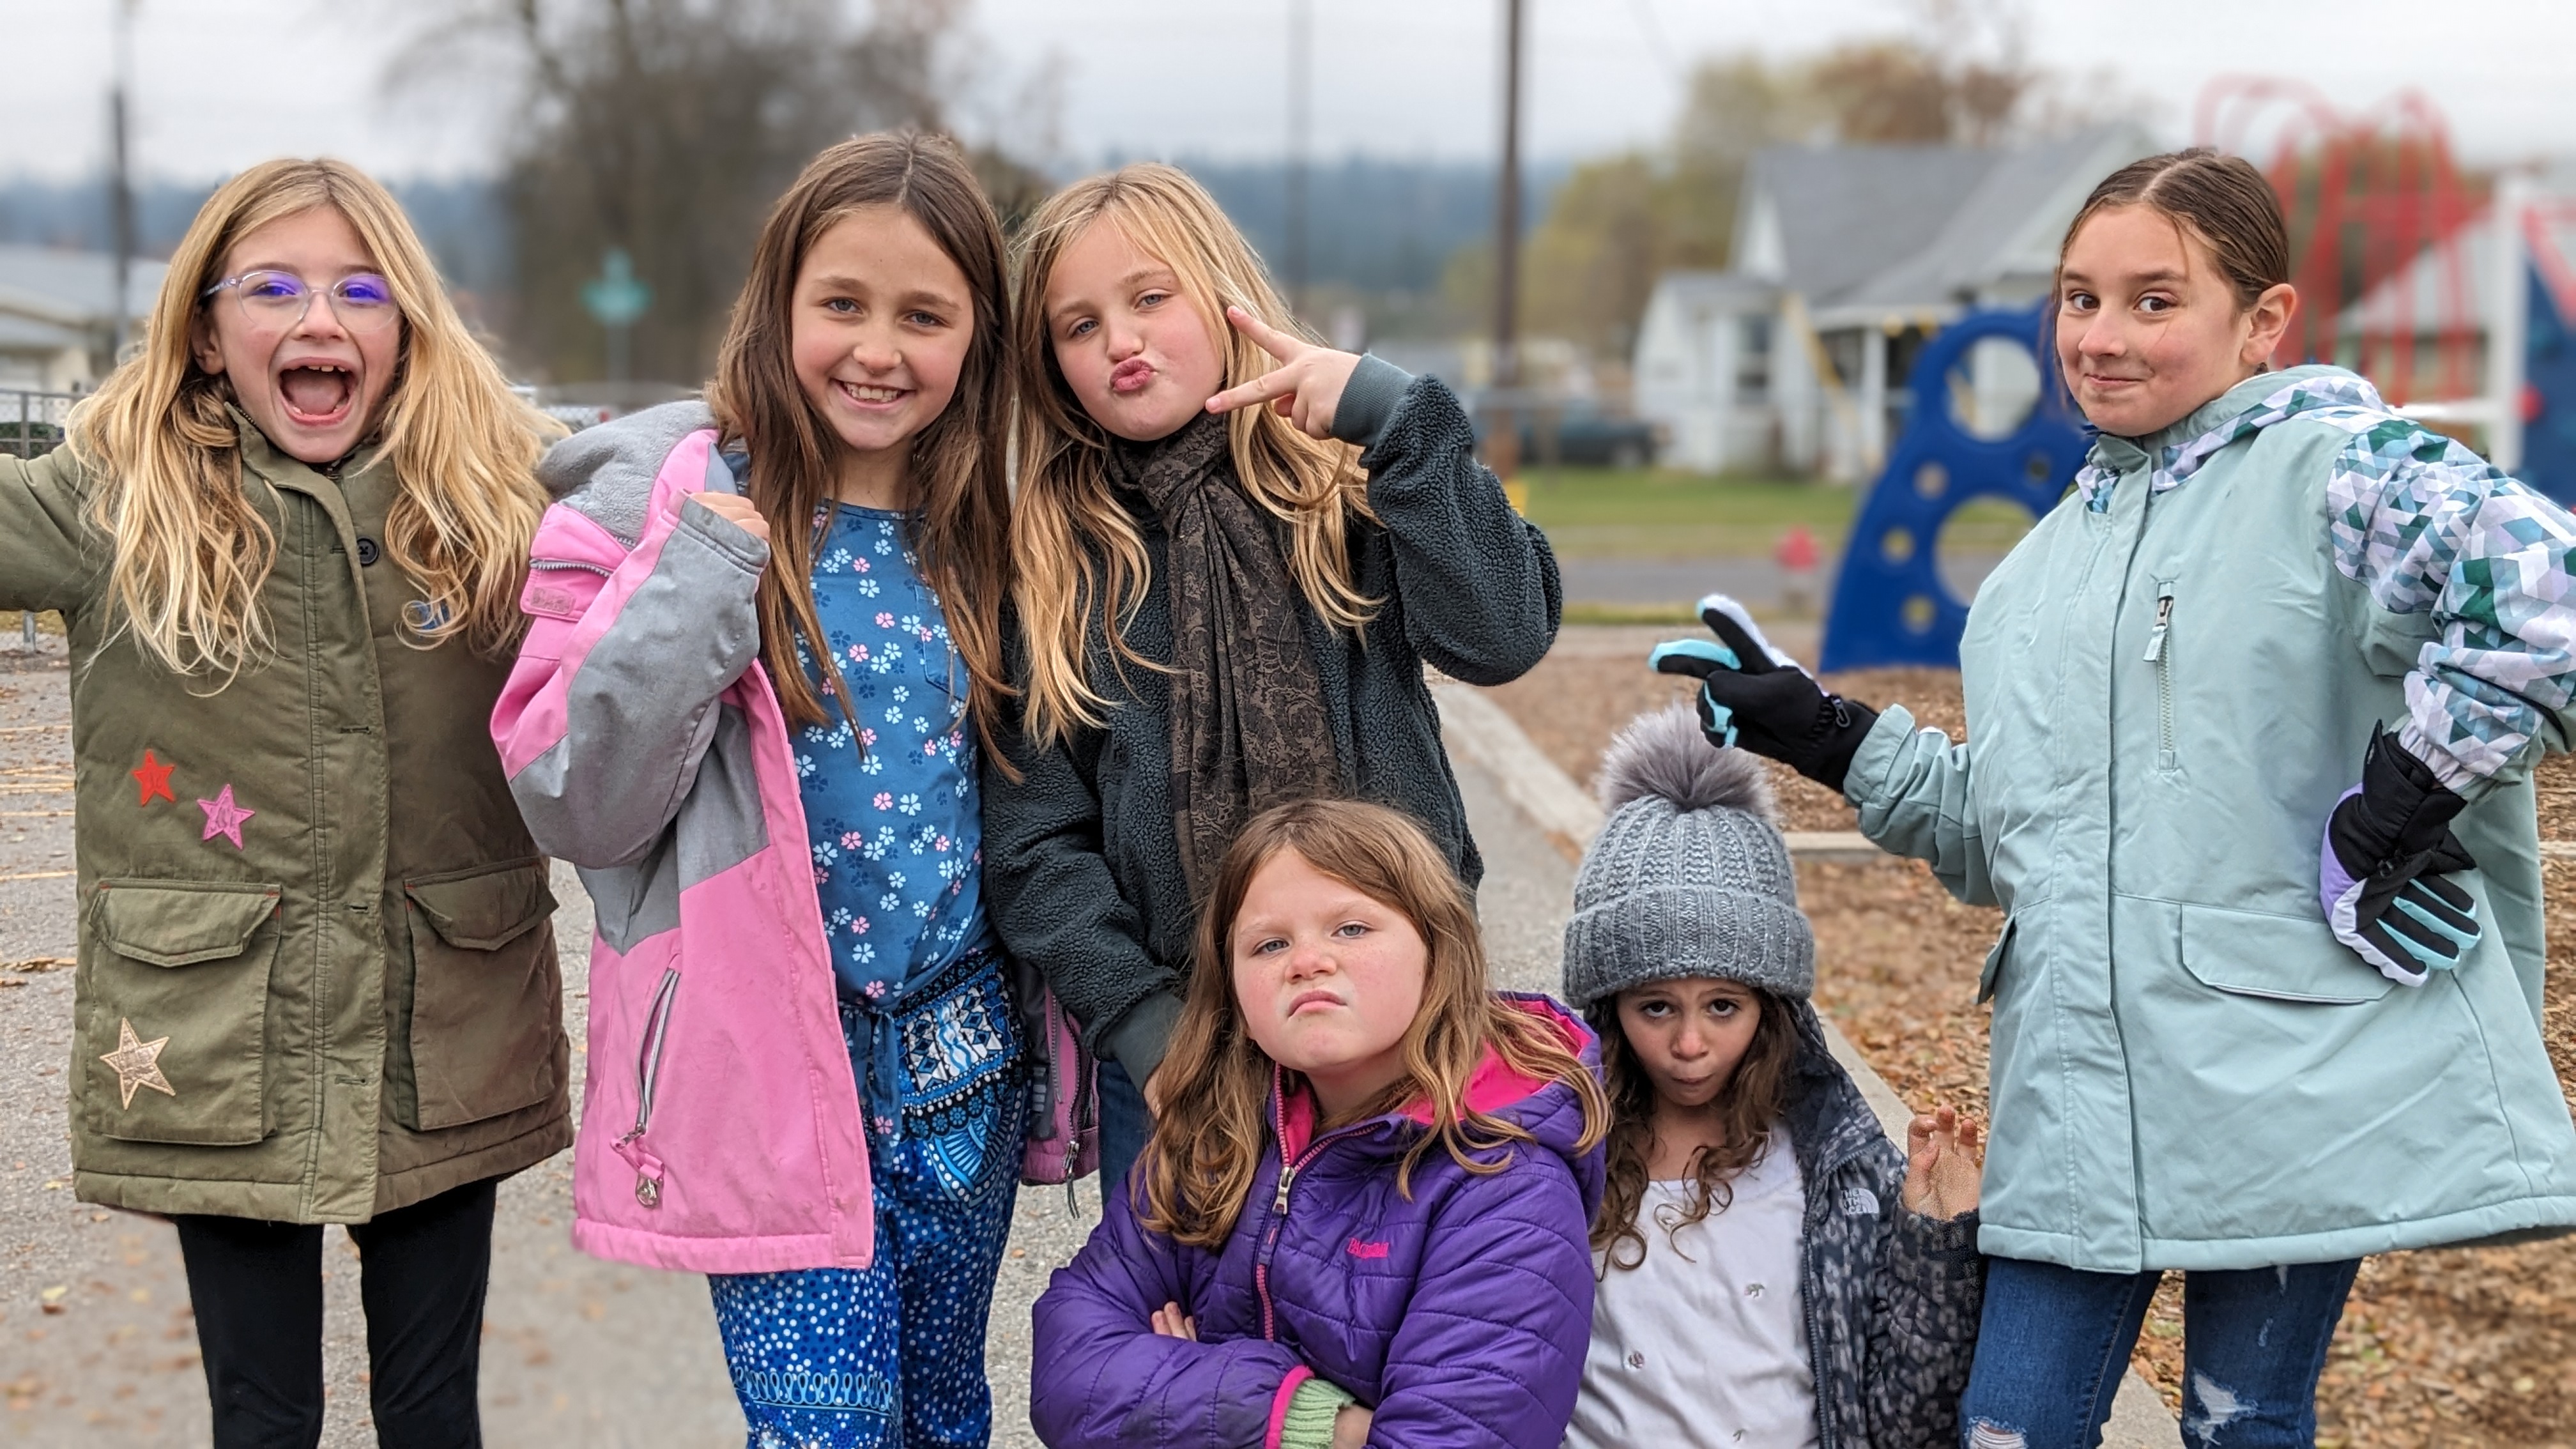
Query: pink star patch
column 223, row 817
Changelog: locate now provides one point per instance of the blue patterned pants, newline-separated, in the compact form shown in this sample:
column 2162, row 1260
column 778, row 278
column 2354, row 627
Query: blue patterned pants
column 893, row 1354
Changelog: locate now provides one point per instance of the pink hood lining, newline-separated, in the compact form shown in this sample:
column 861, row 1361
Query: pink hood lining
column 1493, row 1086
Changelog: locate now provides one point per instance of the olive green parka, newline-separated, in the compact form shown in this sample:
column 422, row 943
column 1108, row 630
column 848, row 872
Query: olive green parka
column 317, row 975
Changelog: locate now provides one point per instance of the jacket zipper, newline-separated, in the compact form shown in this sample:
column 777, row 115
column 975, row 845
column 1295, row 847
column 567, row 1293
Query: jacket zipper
column 2160, row 654
column 1279, row 1208
column 565, row 563
column 648, row 1073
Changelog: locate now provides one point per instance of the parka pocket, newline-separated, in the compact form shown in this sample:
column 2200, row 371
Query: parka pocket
column 485, row 996
column 174, row 1010
column 1994, row 966
column 2281, row 958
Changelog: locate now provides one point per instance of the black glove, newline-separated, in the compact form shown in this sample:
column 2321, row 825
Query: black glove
column 1754, row 697
column 2388, row 845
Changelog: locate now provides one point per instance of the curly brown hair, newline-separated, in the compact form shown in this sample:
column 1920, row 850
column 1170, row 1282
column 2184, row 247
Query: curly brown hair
column 1755, row 1097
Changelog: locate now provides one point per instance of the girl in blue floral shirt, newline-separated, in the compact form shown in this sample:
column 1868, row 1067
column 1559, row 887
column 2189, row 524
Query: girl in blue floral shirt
column 859, row 400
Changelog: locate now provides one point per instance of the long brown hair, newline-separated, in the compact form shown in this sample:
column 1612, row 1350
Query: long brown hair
column 957, row 464
column 1216, row 1081
column 191, row 552
column 1754, row 1099
column 1067, row 514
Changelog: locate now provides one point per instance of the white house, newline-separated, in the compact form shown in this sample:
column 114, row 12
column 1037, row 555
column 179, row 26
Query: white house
column 1846, row 259
column 57, row 328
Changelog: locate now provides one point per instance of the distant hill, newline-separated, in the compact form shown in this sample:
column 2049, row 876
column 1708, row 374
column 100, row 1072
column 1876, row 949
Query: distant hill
column 460, row 220
column 1374, row 226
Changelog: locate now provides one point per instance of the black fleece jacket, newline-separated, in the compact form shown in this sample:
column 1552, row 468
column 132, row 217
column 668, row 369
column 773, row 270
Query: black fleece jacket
column 1082, row 871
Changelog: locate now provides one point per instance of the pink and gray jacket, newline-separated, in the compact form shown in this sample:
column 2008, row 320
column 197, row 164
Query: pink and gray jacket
column 1458, row 1315
column 720, row 1122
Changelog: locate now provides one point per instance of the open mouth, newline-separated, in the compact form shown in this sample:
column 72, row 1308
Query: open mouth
column 1131, row 375
column 317, row 394
column 868, row 394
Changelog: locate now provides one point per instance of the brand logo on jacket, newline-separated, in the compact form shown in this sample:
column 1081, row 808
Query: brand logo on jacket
column 1359, row 1249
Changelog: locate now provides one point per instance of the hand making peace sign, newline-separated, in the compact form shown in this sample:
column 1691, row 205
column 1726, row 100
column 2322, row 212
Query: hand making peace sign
column 1304, row 388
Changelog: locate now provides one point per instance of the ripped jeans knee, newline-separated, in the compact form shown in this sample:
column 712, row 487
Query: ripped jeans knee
column 1987, row 1434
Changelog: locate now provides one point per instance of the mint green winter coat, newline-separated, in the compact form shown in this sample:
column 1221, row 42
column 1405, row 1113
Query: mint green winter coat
column 2169, row 683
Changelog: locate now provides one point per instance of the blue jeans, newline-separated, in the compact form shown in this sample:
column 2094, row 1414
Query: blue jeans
column 1124, row 1126
column 2053, row 1342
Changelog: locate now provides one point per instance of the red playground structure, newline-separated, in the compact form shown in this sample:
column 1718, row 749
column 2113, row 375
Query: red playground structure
column 2372, row 198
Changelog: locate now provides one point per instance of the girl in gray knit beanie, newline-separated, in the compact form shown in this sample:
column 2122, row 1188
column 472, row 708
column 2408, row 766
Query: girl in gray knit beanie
column 1800, row 1278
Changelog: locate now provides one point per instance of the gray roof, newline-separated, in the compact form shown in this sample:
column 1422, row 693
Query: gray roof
column 2009, row 224
column 1900, row 228
column 75, row 288
column 1847, row 213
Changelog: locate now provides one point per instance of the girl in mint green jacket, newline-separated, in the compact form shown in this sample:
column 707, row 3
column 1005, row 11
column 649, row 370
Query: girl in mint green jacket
column 2252, row 715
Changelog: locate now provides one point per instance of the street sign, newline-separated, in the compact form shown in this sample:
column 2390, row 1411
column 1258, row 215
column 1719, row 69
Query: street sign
column 615, row 298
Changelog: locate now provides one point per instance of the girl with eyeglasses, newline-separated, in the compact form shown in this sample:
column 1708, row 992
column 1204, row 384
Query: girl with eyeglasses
column 317, row 981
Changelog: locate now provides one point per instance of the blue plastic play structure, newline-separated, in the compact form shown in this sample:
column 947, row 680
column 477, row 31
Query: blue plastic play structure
column 1889, row 605
column 2549, row 398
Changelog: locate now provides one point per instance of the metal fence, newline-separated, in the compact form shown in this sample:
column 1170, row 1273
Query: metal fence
column 31, row 423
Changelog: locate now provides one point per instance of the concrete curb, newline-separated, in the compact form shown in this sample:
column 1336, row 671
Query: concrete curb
column 1479, row 728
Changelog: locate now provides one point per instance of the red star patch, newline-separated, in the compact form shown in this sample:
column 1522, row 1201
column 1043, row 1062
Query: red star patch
column 154, row 777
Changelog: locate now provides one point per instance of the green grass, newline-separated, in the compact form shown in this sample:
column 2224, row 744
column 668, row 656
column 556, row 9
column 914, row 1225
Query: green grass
column 1643, row 512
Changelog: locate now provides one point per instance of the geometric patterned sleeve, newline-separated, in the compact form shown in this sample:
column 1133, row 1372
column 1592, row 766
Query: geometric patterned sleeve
column 2425, row 524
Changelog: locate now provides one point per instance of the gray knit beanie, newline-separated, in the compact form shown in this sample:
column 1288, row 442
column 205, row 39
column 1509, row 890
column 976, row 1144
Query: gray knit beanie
column 1689, row 876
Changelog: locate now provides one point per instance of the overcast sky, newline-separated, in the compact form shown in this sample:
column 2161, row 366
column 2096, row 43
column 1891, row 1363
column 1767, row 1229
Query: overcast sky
column 221, row 83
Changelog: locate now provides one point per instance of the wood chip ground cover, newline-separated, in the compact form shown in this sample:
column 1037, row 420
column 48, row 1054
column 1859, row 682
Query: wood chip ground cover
column 2458, row 1347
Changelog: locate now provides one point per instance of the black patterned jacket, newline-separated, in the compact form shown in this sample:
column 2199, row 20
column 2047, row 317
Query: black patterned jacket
column 1892, row 1297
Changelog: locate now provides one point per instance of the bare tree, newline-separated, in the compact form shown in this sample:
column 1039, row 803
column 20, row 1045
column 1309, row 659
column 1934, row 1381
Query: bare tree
column 665, row 129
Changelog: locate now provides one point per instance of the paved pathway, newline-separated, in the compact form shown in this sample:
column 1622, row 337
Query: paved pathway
column 97, row 1344
column 96, row 1340
column 1646, row 581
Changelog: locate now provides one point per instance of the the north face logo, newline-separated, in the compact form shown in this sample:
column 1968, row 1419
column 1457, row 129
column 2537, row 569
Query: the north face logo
column 1359, row 1249
column 1859, row 1202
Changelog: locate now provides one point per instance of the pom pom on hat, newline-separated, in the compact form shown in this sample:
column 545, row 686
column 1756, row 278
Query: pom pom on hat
column 1666, row 754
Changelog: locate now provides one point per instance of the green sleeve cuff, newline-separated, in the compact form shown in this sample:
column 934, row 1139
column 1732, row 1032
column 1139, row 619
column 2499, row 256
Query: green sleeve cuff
column 1369, row 400
column 1139, row 1039
column 1308, row 1423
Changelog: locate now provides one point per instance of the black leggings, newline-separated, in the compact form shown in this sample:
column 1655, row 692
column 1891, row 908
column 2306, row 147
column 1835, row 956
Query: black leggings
column 257, row 1287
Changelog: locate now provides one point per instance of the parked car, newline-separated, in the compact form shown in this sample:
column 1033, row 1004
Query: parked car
column 1576, row 432
column 1582, row 434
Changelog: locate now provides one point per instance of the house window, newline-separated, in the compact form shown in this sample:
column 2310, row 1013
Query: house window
column 1753, row 360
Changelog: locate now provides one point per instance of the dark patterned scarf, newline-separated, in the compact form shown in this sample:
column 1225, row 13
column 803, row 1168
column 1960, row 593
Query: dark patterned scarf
column 1248, row 723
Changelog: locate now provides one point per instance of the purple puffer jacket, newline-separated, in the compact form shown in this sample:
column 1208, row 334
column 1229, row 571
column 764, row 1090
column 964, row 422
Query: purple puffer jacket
column 1459, row 1316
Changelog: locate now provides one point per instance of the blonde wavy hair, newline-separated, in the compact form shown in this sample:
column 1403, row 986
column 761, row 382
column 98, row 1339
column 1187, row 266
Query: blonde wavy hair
column 191, row 549
column 1215, row 1083
column 1074, row 549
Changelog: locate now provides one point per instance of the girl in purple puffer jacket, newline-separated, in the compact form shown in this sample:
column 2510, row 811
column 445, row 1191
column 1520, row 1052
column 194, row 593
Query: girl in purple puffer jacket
column 1364, row 1213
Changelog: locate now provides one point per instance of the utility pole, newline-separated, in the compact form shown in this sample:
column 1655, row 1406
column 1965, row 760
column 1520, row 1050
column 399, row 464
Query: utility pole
column 1301, row 119
column 120, row 190
column 1503, row 439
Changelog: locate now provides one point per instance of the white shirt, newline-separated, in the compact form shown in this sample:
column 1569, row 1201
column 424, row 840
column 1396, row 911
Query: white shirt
column 1705, row 1342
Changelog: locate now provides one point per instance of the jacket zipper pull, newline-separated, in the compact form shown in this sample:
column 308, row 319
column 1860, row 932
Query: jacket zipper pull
column 1287, row 1175
column 2164, row 621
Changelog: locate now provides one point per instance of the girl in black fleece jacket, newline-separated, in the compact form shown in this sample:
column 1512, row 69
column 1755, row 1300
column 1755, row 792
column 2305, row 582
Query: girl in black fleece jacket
column 1234, row 553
